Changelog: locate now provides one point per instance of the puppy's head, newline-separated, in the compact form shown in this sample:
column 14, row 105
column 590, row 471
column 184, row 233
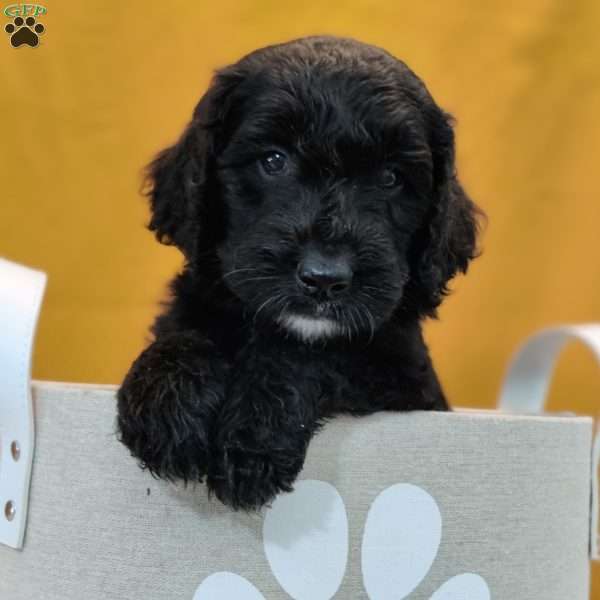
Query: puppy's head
column 321, row 174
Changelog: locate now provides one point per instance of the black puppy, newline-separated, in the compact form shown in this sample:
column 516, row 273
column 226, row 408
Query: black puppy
column 315, row 200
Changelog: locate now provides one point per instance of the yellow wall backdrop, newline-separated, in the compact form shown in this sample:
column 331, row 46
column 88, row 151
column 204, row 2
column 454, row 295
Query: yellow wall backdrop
column 111, row 83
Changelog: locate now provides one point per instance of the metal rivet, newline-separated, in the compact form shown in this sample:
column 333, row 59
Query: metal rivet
column 15, row 450
column 9, row 510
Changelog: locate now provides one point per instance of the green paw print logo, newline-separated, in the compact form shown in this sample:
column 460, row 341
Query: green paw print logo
column 24, row 29
column 305, row 539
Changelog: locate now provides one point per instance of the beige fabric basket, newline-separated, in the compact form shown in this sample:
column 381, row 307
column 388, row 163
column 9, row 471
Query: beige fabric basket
column 468, row 505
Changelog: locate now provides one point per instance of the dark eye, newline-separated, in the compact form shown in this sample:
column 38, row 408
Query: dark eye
column 273, row 162
column 389, row 178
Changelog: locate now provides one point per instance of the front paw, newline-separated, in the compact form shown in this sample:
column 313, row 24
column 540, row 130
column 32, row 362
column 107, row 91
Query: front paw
column 168, row 404
column 248, row 478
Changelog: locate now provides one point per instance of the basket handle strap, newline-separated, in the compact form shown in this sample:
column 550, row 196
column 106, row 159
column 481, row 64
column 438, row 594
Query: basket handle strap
column 21, row 293
column 526, row 386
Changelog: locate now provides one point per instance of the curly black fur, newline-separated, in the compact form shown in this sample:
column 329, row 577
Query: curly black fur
column 251, row 357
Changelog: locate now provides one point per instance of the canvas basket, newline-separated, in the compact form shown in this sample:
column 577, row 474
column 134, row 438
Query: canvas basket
column 466, row 505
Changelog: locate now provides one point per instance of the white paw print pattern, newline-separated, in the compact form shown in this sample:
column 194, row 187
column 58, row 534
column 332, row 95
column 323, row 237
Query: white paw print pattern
column 305, row 536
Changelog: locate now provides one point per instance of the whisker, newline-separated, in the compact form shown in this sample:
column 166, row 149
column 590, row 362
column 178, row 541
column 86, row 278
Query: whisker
column 243, row 281
column 237, row 271
column 283, row 305
column 353, row 313
column 370, row 320
column 273, row 298
column 283, row 309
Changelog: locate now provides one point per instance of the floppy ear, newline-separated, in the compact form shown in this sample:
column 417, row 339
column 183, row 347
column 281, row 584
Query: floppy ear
column 179, row 181
column 446, row 242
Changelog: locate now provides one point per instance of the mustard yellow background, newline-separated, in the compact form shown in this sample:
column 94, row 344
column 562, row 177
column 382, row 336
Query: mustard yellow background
column 113, row 82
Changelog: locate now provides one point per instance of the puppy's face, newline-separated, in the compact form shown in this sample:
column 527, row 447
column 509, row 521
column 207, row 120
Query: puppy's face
column 321, row 173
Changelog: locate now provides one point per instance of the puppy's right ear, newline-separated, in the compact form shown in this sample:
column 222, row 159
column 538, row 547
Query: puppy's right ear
column 178, row 181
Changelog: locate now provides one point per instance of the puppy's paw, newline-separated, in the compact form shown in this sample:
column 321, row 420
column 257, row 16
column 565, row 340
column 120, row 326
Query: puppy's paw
column 248, row 479
column 168, row 404
column 263, row 430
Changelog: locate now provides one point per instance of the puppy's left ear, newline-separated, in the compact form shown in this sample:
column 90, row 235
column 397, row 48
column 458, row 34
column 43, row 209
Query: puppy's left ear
column 447, row 241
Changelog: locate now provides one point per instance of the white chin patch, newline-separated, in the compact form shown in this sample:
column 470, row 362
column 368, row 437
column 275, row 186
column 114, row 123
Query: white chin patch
column 310, row 328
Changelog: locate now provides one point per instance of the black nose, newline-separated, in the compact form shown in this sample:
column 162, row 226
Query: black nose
column 329, row 276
